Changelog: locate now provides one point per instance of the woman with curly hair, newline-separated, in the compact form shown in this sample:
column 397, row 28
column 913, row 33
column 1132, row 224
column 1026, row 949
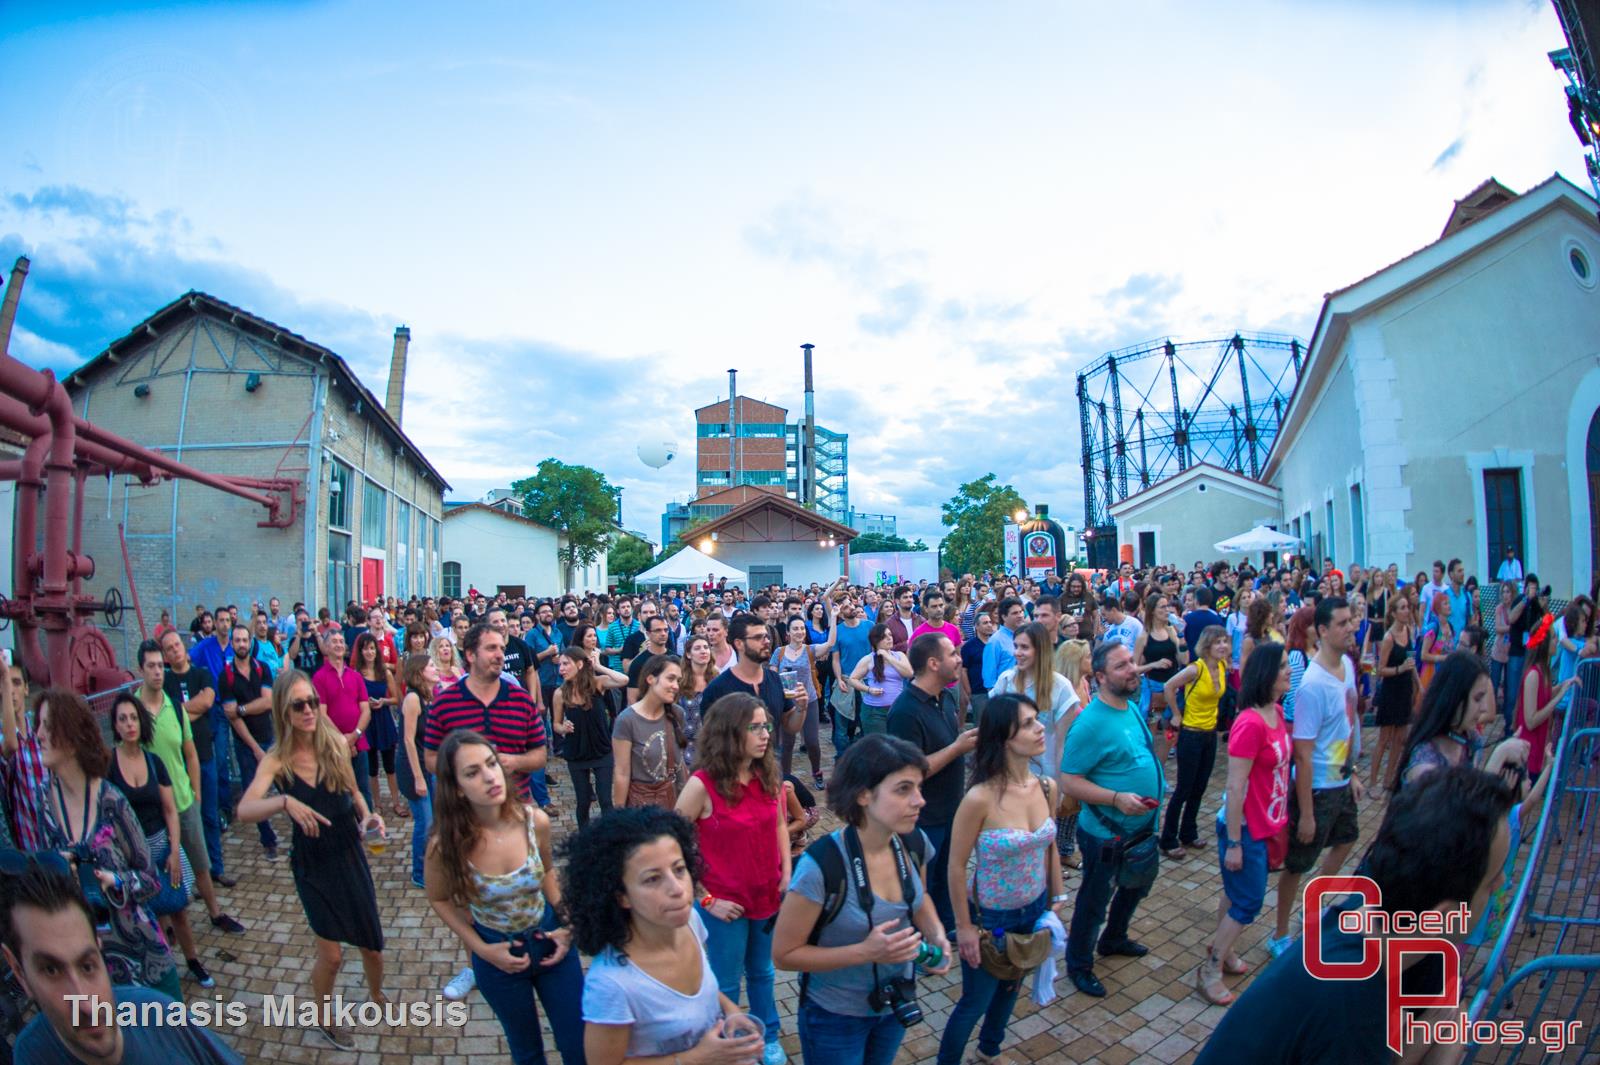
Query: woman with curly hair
column 491, row 880
column 311, row 768
column 650, row 992
column 579, row 713
column 84, row 816
column 736, row 800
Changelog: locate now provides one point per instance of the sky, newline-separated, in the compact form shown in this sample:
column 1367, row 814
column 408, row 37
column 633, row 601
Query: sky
column 587, row 213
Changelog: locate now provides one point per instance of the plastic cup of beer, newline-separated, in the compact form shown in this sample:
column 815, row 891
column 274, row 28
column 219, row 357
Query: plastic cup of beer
column 375, row 839
column 742, row 1026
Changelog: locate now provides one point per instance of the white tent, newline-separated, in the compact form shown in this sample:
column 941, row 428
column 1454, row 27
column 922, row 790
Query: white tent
column 689, row 567
column 1260, row 538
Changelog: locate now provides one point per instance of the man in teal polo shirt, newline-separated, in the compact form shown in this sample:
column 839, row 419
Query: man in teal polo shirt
column 1107, row 765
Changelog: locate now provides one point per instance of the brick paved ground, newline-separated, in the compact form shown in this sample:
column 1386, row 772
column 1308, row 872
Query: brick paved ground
column 1152, row 1014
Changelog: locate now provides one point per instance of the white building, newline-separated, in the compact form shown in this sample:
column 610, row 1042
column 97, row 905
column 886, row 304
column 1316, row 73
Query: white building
column 1448, row 406
column 493, row 548
column 1177, row 520
column 777, row 541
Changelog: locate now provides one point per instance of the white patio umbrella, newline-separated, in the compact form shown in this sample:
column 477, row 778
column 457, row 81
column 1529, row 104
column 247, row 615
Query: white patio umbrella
column 1260, row 538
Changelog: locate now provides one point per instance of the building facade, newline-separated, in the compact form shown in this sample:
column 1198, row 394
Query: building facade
column 777, row 541
column 758, row 447
column 231, row 393
column 491, row 545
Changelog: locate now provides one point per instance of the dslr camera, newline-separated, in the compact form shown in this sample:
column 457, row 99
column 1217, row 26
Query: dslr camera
column 897, row 994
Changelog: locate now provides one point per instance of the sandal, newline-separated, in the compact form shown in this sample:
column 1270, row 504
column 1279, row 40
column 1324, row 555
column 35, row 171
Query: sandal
column 1208, row 979
column 402, row 810
column 1233, row 965
column 1177, row 854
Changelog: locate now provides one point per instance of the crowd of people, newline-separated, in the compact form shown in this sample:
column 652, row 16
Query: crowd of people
column 997, row 753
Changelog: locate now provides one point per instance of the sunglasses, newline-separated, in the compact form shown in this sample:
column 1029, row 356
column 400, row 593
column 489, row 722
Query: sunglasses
column 299, row 706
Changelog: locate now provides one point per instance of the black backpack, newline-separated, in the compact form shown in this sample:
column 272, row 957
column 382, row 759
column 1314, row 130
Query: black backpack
column 828, row 853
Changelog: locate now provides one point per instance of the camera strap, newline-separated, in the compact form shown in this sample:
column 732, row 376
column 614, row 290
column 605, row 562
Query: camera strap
column 857, row 863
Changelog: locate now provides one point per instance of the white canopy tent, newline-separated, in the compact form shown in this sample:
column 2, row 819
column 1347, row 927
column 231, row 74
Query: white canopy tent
column 1260, row 538
column 689, row 567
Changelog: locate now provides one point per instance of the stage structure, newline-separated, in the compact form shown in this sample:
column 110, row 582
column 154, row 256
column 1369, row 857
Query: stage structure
column 1155, row 409
column 1579, row 61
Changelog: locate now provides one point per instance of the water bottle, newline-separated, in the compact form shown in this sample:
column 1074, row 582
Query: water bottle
column 929, row 956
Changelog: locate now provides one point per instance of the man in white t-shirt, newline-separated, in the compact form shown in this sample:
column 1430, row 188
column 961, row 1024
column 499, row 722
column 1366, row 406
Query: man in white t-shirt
column 1327, row 739
column 1121, row 625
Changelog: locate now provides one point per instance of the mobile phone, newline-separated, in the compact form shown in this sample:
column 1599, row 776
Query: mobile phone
column 1148, row 803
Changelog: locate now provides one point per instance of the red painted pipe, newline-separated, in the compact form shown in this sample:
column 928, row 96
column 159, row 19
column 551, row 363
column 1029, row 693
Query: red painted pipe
column 14, row 414
column 59, row 468
column 28, row 485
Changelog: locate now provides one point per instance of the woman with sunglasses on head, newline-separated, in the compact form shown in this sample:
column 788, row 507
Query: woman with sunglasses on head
column 492, row 880
column 1007, row 819
column 447, row 660
column 579, row 714
column 316, row 787
column 89, row 822
column 737, row 802
column 142, row 778
column 650, row 995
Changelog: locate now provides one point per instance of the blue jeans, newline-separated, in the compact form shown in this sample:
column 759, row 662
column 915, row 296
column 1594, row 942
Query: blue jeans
column 359, row 762
column 421, row 819
column 247, row 773
column 982, row 995
column 938, row 868
column 222, row 756
column 510, row 995
column 833, row 1039
column 743, row 948
column 1098, row 890
column 1514, row 666
column 211, row 815
column 1247, row 889
column 537, row 785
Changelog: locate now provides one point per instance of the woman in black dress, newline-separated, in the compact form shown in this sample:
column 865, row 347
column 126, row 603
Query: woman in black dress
column 1397, row 686
column 316, row 787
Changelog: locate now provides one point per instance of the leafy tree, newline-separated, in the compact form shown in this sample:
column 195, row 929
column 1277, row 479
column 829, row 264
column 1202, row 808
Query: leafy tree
column 576, row 500
column 975, row 515
column 880, row 542
column 628, row 557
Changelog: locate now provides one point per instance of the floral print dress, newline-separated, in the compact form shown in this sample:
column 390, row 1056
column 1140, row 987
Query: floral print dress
column 135, row 950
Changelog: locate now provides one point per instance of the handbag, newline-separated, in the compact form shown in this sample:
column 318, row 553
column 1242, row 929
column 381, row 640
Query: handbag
column 1019, row 955
column 1138, row 860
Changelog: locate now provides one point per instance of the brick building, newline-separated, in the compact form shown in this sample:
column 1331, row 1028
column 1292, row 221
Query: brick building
column 231, row 393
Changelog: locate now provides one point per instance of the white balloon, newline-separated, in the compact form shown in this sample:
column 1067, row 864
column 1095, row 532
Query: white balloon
column 657, row 455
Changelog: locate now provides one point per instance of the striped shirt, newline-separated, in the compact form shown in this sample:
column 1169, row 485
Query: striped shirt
column 512, row 722
column 24, row 778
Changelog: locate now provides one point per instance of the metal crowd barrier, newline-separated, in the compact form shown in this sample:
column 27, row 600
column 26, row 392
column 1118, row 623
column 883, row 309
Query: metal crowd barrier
column 1554, row 915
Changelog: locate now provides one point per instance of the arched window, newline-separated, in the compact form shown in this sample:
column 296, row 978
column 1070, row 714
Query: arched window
column 452, row 580
column 1592, row 467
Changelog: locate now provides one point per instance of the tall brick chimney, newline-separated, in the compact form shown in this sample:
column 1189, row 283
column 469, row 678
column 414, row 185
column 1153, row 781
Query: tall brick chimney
column 397, row 374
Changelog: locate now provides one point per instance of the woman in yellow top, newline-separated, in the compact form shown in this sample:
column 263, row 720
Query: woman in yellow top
column 1203, row 683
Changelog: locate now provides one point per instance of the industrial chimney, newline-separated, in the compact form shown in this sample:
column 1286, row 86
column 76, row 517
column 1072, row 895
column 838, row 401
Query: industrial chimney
column 733, row 428
column 808, row 461
column 397, row 374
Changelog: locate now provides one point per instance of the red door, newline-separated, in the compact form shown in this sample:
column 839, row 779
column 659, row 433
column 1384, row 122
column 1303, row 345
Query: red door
column 371, row 579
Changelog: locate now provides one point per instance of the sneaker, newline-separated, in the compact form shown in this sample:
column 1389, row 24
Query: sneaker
column 227, row 924
column 198, row 972
column 416, row 882
column 272, row 853
column 551, row 810
column 1279, row 947
column 816, row 778
column 461, row 986
column 774, row 1055
column 225, row 880
column 341, row 1039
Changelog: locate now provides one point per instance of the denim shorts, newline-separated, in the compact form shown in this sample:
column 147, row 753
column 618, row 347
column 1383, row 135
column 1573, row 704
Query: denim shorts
column 1248, row 887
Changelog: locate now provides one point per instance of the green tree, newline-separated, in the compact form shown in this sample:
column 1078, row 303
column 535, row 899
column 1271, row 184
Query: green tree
column 576, row 500
column 628, row 557
column 879, row 542
column 975, row 516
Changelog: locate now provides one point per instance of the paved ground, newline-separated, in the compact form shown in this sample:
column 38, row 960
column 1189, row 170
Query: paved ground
column 1152, row 1014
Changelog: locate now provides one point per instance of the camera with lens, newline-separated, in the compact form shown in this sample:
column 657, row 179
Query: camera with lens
column 899, row 995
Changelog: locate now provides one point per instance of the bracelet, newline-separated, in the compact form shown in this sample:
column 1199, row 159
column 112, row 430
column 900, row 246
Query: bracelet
column 1063, row 897
column 707, row 902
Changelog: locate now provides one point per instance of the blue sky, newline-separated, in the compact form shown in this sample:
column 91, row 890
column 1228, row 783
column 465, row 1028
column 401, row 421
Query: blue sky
column 610, row 204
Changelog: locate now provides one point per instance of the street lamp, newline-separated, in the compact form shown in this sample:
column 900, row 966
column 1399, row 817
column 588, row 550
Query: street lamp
column 1021, row 515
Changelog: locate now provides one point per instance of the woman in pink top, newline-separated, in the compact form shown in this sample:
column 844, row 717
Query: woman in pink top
column 734, row 799
column 1537, row 701
column 1255, row 809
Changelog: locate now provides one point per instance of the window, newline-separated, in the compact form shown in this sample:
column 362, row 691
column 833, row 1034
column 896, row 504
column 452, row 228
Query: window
column 1332, row 542
column 420, row 589
column 1147, row 549
column 374, row 516
column 438, row 553
column 452, row 580
column 338, row 494
column 712, row 477
column 1502, row 511
column 402, row 541
column 705, row 429
column 338, row 571
column 1358, row 528
column 761, row 477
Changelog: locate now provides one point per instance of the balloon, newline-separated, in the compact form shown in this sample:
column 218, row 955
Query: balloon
column 657, row 455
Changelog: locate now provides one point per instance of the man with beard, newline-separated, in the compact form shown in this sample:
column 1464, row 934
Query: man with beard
column 1107, row 764
column 752, row 642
